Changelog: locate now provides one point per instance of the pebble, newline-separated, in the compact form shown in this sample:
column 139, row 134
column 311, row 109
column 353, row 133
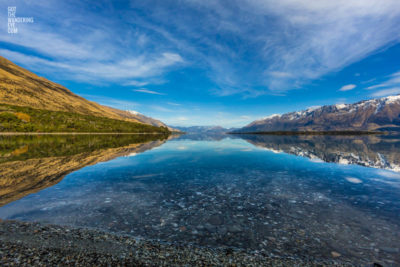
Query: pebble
column 46, row 246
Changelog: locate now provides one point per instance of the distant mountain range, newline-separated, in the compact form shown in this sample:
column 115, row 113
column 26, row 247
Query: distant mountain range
column 369, row 115
column 204, row 129
column 211, row 133
column 20, row 87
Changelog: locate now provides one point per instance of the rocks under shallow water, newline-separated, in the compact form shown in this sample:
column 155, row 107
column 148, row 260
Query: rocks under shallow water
column 256, row 205
column 32, row 244
column 216, row 219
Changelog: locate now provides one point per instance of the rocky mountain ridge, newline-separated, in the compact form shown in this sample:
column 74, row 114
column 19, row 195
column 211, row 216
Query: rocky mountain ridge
column 369, row 115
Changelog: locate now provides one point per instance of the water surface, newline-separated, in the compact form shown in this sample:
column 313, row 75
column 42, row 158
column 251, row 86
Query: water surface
column 309, row 197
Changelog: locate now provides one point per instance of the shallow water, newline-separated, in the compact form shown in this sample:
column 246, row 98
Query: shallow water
column 309, row 197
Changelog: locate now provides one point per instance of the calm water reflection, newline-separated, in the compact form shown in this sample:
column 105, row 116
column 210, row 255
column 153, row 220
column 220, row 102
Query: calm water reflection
column 237, row 192
column 31, row 163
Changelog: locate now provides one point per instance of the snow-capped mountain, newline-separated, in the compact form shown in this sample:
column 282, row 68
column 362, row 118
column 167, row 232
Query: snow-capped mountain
column 374, row 114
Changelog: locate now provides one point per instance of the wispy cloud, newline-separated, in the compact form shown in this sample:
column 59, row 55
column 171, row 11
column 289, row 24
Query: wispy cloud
column 143, row 90
column 390, row 86
column 284, row 45
column 135, row 83
column 125, row 69
column 295, row 41
column 386, row 92
column 112, row 102
column 85, row 46
column 393, row 80
column 347, row 87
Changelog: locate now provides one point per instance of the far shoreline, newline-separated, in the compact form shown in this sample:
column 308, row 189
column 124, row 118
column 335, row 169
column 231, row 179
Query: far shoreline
column 80, row 133
column 313, row 133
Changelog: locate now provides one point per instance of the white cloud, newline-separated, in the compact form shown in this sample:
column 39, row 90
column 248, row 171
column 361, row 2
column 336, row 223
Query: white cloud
column 353, row 180
column 347, row 87
column 389, row 174
column 143, row 90
column 92, row 71
column 72, row 42
column 247, row 47
column 394, row 80
column 299, row 41
column 386, row 92
column 112, row 102
column 56, row 45
column 376, row 86
column 135, row 83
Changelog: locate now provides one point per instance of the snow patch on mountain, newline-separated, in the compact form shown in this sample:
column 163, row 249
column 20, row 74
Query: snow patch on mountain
column 133, row 112
column 392, row 99
column 341, row 106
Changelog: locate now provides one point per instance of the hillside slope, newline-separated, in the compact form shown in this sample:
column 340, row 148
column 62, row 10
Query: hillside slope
column 369, row 115
column 21, row 87
column 26, row 119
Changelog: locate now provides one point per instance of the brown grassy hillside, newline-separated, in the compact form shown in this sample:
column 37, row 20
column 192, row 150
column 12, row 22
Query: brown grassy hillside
column 21, row 87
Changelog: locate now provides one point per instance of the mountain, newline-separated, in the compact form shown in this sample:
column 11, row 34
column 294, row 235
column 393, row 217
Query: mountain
column 210, row 133
column 373, row 151
column 20, row 87
column 144, row 119
column 369, row 115
column 202, row 129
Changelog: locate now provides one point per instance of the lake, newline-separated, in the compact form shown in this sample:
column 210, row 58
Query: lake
column 289, row 196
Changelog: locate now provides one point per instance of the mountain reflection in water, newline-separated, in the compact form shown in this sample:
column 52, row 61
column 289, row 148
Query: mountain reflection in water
column 31, row 163
column 376, row 151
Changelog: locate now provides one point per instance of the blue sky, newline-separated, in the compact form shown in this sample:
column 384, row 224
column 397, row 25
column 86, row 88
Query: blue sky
column 201, row 62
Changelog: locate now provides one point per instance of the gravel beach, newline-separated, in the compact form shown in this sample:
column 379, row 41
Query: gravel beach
column 34, row 244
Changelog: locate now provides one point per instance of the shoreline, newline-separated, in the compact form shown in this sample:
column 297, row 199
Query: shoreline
column 75, row 133
column 312, row 133
column 26, row 243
